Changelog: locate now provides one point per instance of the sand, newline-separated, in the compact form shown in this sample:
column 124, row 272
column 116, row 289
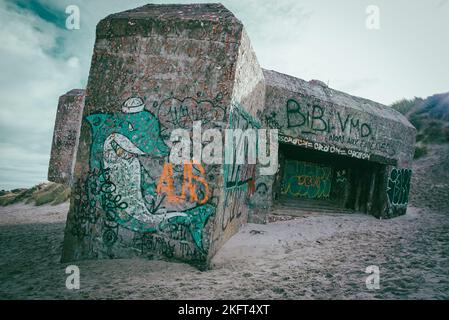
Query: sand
column 318, row 256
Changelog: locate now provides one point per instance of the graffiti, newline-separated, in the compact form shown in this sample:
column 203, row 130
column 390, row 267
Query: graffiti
column 173, row 243
column 239, row 179
column 272, row 122
column 189, row 186
column 187, row 250
column 313, row 121
column 306, row 180
column 262, row 197
column 371, row 145
column 311, row 118
column 398, row 187
column 92, row 198
column 341, row 151
column 182, row 113
column 232, row 210
column 324, row 147
column 341, row 176
column 124, row 188
column 85, row 198
column 262, row 189
column 363, row 129
column 175, row 113
column 340, row 184
column 150, row 243
column 300, row 142
column 330, row 128
column 239, row 175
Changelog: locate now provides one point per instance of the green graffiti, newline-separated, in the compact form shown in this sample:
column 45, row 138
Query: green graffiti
column 127, row 191
column 306, row 180
column 238, row 176
column 399, row 186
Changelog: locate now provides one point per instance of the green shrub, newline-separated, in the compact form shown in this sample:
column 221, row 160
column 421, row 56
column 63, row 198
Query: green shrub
column 416, row 121
column 420, row 137
column 434, row 133
column 446, row 134
column 420, row 151
column 405, row 105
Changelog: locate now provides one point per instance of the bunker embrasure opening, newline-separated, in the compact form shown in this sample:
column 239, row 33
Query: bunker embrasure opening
column 310, row 180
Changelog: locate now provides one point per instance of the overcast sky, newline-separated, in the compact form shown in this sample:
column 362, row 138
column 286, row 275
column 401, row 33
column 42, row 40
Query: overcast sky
column 318, row 39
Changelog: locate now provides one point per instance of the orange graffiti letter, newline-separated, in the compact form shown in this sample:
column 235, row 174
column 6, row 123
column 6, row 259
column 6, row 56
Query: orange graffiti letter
column 166, row 185
column 189, row 183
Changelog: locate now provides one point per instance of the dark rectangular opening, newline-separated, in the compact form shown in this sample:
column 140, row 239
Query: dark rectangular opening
column 321, row 181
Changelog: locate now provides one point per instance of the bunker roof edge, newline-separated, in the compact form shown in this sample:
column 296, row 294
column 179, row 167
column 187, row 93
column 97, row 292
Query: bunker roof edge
column 336, row 97
column 143, row 20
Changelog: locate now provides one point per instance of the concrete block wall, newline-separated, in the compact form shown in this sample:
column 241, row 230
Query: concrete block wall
column 66, row 136
column 247, row 101
column 353, row 126
column 155, row 69
column 313, row 116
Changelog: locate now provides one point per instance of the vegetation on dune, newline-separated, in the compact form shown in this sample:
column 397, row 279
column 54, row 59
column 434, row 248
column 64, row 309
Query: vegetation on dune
column 430, row 117
column 44, row 193
column 405, row 106
column 420, row 151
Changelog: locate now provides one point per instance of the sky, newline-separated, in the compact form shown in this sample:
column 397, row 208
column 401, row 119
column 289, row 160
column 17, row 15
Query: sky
column 40, row 59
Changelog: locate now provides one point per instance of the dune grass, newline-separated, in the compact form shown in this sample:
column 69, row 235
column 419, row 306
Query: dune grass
column 44, row 193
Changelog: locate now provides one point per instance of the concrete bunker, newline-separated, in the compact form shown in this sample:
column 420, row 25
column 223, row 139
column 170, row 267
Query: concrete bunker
column 155, row 69
column 66, row 136
column 162, row 67
column 337, row 152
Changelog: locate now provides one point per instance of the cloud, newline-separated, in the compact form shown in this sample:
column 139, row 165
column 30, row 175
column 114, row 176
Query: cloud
column 33, row 76
column 443, row 3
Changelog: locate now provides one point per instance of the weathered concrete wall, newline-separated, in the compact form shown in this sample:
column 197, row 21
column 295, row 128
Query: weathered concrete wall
column 312, row 116
column 65, row 136
column 155, row 69
column 248, row 98
column 324, row 119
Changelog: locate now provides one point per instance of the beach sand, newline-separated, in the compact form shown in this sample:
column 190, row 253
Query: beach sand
column 318, row 256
